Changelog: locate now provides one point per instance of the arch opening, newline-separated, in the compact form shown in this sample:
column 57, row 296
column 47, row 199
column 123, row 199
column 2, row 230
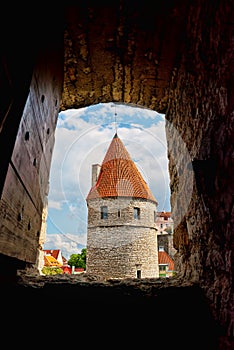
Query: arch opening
column 81, row 139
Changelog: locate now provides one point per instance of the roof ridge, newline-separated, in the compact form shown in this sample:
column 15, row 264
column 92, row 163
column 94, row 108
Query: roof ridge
column 119, row 175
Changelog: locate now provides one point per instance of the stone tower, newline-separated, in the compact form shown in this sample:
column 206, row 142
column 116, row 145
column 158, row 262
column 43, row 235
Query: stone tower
column 121, row 236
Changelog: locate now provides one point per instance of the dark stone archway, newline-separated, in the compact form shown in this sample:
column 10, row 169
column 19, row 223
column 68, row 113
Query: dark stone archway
column 175, row 58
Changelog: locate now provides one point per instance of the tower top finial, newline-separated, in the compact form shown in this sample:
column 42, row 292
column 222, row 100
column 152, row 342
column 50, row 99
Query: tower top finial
column 115, row 120
column 119, row 176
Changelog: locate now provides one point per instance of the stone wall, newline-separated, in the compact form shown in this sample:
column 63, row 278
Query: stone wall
column 118, row 247
column 200, row 133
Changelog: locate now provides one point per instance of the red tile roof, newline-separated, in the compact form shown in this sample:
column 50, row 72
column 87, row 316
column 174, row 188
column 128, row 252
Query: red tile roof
column 49, row 260
column 165, row 259
column 119, row 176
column 164, row 214
column 52, row 252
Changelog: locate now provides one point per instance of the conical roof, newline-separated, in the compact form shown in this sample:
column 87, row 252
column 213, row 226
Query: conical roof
column 119, row 176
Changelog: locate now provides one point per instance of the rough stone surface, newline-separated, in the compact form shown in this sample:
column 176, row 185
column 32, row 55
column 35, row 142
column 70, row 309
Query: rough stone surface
column 186, row 72
column 118, row 247
column 114, row 309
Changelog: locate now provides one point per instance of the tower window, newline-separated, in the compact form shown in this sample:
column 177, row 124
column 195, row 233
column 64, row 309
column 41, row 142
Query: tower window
column 119, row 213
column 104, row 212
column 136, row 213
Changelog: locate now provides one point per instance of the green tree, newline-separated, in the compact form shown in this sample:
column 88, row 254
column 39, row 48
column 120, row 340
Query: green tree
column 78, row 260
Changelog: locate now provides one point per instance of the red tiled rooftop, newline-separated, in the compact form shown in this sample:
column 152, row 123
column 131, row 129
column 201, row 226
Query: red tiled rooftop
column 164, row 258
column 49, row 260
column 164, row 214
column 119, row 176
column 52, row 252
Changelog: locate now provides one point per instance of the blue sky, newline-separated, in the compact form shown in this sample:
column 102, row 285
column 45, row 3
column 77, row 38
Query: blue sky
column 82, row 137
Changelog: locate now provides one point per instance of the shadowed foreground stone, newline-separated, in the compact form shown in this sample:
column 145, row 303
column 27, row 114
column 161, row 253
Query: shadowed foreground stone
column 133, row 311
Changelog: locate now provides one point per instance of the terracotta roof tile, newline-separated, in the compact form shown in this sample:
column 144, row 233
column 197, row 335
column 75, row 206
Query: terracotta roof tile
column 49, row 260
column 164, row 258
column 52, row 252
column 119, row 176
column 164, row 214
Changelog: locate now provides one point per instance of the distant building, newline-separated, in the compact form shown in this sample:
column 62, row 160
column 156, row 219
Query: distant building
column 121, row 235
column 165, row 230
column 50, row 261
column 53, row 254
column 54, row 258
column 166, row 250
column 72, row 270
column 164, row 222
column 165, row 263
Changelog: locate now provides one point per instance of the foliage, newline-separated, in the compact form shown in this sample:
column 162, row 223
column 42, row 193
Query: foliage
column 78, row 260
column 48, row 270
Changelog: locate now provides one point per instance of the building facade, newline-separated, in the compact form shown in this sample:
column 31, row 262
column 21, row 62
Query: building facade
column 165, row 228
column 122, row 235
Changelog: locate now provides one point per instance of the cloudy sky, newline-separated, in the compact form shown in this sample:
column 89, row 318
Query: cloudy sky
column 81, row 139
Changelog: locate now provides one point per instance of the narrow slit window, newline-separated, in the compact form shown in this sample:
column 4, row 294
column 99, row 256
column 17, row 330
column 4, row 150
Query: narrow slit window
column 119, row 213
column 137, row 213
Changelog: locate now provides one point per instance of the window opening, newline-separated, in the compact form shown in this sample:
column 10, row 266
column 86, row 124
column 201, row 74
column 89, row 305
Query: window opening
column 152, row 127
column 104, row 212
column 136, row 213
column 162, row 267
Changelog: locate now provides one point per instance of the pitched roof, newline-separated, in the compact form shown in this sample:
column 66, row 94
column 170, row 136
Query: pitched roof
column 165, row 259
column 52, row 252
column 49, row 260
column 119, row 176
column 164, row 214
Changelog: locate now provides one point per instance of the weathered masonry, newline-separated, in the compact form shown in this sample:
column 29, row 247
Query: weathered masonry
column 122, row 235
column 176, row 58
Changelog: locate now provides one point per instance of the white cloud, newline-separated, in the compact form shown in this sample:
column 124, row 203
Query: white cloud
column 55, row 205
column 67, row 243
